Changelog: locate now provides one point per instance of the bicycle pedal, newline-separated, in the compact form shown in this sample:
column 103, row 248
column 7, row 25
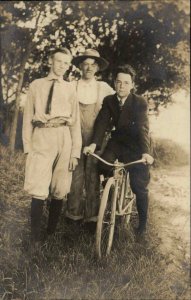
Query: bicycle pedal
column 129, row 197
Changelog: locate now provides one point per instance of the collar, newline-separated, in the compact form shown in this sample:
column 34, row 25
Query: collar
column 92, row 82
column 52, row 76
column 122, row 99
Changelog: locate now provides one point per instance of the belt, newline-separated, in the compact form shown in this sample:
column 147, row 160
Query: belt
column 40, row 124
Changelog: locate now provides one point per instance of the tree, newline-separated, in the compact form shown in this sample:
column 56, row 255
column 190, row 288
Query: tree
column 152, row 36
column 18, row 42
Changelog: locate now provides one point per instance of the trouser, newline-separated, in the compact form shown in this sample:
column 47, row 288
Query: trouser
column 47, row 166
column 85, row 177
column 139, row 175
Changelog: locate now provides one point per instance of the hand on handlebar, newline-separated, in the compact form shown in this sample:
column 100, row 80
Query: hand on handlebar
column 148, row 159
column 89, row 149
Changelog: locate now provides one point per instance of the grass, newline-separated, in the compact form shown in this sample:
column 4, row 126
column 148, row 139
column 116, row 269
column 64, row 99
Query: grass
column 65, row 267
column 168, row 153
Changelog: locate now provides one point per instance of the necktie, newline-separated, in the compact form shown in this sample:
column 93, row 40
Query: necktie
column 120, row 104
column 49, row 101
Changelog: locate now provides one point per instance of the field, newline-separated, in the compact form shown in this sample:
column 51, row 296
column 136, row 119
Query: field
column 65, row 267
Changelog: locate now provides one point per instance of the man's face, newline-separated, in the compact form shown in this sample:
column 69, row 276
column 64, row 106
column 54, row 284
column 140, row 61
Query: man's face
column 89, row 67
column 60, row 63
column 123, row 84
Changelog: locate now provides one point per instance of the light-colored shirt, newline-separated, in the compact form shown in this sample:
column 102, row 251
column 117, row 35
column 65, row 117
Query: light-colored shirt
column 94, row 91
column 64, row 107
column 87, row 91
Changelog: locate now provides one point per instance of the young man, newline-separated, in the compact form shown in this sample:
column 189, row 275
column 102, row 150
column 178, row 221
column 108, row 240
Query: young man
column 52, row 140
column 130, row 139
column 90, row 94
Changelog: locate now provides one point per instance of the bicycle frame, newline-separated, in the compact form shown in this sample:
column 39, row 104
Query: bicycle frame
column 126, row 193
column 118, row 174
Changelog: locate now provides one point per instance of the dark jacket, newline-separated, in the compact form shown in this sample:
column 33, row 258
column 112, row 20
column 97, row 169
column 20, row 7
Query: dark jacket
column 131, row 126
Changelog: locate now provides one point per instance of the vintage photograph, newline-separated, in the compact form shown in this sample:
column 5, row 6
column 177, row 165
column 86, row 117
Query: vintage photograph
column 95, row 150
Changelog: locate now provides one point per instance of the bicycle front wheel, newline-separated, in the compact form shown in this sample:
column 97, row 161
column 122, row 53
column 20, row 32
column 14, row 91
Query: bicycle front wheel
column 106, row 219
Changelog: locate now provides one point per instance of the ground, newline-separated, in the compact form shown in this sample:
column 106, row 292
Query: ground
column 170, row 195
column 170, row 204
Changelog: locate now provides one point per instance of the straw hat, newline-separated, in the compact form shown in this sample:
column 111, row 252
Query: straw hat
column 91, row 53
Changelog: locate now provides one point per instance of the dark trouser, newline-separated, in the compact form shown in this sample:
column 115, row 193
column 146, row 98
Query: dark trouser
column 139, row 175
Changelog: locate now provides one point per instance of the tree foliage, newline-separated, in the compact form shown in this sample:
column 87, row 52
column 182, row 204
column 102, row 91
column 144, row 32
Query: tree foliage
column 152, row 36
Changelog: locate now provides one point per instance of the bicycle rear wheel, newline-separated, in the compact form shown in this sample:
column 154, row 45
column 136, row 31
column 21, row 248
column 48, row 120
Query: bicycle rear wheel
column 106, row 219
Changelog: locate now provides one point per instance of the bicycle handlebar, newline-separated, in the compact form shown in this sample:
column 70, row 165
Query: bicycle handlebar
column 142, row 160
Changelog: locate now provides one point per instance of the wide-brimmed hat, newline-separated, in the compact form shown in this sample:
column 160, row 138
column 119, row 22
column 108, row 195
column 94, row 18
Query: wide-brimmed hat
column 91, row 53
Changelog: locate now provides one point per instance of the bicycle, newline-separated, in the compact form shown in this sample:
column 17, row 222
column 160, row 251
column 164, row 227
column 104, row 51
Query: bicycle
column 117, row 200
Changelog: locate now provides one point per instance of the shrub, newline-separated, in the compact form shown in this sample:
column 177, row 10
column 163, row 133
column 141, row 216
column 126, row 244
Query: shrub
column 168, row 153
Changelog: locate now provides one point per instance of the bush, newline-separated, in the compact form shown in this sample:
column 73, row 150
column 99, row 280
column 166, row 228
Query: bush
column 168, row 153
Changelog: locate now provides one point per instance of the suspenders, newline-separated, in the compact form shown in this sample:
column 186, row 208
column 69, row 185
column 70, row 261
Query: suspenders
column 97, row 103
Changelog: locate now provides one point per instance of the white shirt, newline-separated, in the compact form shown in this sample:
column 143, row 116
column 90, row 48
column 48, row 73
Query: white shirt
column 87, row 91
column 93, row 91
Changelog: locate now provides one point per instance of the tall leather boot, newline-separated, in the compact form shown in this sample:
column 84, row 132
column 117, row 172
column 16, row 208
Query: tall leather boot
column 54, row 214
column 36, row 217
column 142, row 207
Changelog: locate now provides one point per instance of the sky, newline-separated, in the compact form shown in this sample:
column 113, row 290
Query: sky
column 174, row 122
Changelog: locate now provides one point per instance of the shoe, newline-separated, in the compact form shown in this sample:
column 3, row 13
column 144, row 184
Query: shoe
column 34, row 248
column 140, row 230
column 74, row 222
column 140, row 234
column 91, row 226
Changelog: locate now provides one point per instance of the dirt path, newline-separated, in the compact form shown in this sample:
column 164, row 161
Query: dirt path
column 170, row 215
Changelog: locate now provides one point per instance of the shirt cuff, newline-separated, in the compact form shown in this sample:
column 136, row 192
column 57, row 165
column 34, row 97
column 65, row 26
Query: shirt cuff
column 27, row 148
column 76, row 153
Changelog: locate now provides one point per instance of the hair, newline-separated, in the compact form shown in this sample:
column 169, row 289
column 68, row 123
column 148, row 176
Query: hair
column 127, row 69
column 61, row 50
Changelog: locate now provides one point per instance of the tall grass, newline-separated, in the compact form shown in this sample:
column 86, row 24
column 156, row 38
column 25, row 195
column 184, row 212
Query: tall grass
column 65, row 267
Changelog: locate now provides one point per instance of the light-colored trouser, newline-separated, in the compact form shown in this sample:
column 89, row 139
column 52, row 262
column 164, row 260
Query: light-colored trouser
column 47, row 166
column 85, row 176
